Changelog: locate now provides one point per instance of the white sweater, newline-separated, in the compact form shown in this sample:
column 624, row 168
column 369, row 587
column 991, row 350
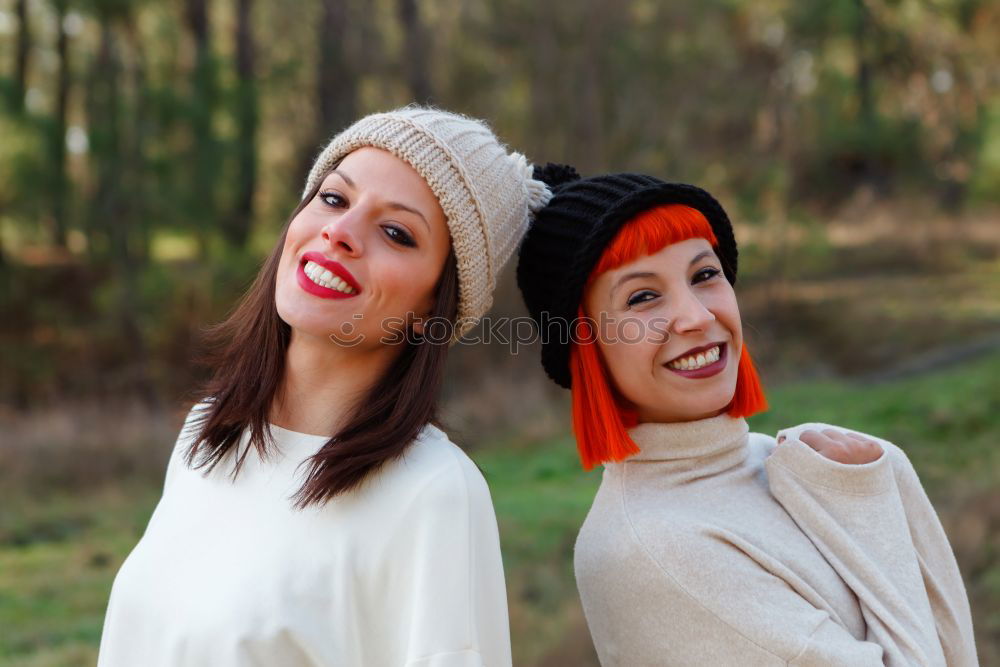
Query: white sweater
column 406, row 571
column 716, row 546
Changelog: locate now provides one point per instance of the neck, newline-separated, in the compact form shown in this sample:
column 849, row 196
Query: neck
column 698, row 448
column 322, row 381
column 646, row 417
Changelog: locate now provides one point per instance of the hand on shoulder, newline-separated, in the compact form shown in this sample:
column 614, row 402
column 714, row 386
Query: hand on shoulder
column 838, row 444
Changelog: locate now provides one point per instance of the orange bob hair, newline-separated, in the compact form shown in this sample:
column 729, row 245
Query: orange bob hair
column 600, row 419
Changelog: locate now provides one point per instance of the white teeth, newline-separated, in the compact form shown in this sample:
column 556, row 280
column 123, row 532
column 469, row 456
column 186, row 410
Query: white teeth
column 698, row 360
column 325, row 278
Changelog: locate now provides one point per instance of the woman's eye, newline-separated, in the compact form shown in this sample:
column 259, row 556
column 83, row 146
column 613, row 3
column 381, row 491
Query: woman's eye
column 399, row 236
column 332, row 199
column 641, row 297
column 704, row 275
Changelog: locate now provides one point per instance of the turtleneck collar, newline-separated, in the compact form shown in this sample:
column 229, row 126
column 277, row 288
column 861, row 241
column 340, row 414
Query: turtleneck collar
column 708, row 446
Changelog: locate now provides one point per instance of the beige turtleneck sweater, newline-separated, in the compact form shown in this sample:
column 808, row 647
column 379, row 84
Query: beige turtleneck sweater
column 716, row 546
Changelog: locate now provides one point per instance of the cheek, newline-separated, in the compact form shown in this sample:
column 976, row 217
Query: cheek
column 404, row 281
column 723, row 305
column 730, row 316
column 297, row 234
column 299, row 225
column 629, row 363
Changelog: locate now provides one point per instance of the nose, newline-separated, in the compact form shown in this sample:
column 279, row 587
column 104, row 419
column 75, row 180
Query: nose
column 690, row 314
column 343, row 233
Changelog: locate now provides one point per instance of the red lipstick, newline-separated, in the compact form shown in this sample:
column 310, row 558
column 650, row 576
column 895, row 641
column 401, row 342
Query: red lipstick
column 336, row 268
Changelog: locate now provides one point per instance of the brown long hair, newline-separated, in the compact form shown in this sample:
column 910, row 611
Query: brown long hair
column 247, row 361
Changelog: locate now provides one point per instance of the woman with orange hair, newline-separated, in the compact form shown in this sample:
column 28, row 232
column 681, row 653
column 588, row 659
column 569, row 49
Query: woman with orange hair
column 707, row 544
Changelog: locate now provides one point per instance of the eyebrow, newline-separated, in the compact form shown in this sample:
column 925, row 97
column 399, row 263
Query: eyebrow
column 700, row 255
column 650, row 274
column 347, row 179
column 629, row 276
column 394, row 205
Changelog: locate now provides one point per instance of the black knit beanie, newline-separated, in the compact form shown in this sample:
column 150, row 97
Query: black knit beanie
column 568, row 236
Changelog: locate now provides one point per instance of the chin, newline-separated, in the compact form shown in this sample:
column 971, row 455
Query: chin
column 690, row 410
column 306, row 323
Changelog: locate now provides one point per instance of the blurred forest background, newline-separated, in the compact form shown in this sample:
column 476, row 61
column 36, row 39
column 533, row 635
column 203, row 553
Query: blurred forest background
column 151, row 150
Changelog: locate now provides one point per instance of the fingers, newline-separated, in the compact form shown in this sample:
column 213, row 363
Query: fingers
column 840, row 446
column 813, row 438
column 819, row 440
column 859, row 438
column 852, row 439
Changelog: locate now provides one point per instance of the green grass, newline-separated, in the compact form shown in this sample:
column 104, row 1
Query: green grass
column 57, row 561
column 948, row 421
column 541, row 496
column 58, row 555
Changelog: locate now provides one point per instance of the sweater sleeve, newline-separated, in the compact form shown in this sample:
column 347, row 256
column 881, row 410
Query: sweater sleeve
column 709, row 600
column 942, row 578
column 457, row 615
column 882, row 536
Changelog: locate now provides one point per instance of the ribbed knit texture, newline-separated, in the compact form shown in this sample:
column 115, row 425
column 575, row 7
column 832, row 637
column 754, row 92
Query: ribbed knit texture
column 488, row 194
column 717, row 546
column 568, row 236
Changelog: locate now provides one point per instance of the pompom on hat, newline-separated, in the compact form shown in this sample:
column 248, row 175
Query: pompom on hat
column 568, row 237
column 488, row 193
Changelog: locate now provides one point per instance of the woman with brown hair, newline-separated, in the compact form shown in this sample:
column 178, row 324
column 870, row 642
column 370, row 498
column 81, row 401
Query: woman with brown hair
column 312, row 513
column 708, row 544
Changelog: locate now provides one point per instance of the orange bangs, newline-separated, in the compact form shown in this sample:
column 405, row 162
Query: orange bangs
column 650, row 232
column 600, row 418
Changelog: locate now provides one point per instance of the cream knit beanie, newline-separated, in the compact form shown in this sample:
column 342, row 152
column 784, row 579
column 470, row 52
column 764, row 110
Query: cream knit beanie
column 487, row 193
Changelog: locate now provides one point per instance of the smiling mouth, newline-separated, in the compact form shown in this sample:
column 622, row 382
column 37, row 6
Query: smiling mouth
column 325, row 278
column 709, row 361
column 697, row 360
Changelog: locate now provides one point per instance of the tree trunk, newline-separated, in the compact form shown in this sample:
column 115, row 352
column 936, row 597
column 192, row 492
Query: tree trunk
column 105, row 154
column 23, row 54
column 135, row 146
column 863, row 83
column 336, row 81
column 204, row 173
column 415, row 55
column 60, row 194
column 113, row 211
column 336, row 77
column 591, row 119
column 240, row 219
